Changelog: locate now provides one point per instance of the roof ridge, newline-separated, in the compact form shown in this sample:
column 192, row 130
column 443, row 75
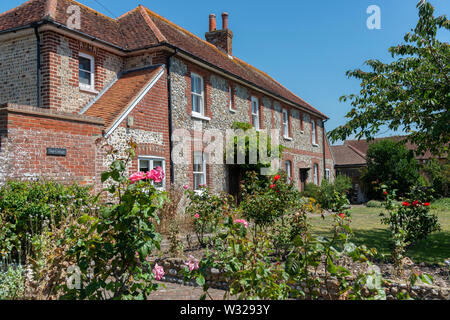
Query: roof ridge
column 358, row 152
column 187, row 32
column 151, row 24
column 92, row 10
column 271, row 78
column 233, row 58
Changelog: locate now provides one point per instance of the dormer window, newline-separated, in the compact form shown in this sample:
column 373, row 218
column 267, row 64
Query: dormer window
column 86, row 72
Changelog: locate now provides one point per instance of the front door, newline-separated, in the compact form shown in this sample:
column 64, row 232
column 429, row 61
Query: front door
column 303, row 178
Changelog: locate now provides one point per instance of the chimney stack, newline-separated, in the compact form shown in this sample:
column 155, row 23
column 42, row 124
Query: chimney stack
column 222, row 39
column 212, row 22
column 225, row 21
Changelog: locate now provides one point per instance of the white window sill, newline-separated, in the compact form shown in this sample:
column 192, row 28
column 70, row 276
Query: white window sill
column 287, row 138
column 198, row 116
column 89, row 90
column 315, row 145
column 232, row 110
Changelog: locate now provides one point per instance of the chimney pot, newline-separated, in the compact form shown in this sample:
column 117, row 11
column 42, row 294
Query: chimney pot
column 225, row 21
column 212, row 22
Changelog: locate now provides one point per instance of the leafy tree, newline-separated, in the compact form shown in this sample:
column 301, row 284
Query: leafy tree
column 390, row 163
column 411, row 93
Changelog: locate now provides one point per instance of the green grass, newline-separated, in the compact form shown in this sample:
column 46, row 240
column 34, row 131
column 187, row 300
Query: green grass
column 368, row 230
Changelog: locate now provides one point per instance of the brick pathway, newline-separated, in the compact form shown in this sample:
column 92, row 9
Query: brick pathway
column 179, row 292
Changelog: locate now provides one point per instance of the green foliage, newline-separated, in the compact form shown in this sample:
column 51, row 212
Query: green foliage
column 26, row 208
column 113, row 249
column 374, row 204
column 253, row 140
column 268, row 198
column 246, row 264
column 408, row 222
column 391, row 164
column 331, row 196
column 410, row 93
column 439, row 176
column 207, row 210
column 12, row 283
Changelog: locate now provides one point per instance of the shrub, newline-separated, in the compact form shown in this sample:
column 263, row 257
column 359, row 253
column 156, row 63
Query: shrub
column 391, row 164
column 408, row 222
column 112, row 253
column 264, row 201
column 438, row 175
column 26, row 208
column 331, row 196
column 12, row 283
column 207, row 210
column 374, row 204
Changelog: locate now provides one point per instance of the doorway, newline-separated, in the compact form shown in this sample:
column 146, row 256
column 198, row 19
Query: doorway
column 303, row 178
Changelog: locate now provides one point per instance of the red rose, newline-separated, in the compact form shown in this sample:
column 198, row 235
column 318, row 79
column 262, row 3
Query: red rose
column 385, row 193
column 406, row 204
column 426, row 204
column 272, row 186
column 415, row 203
column 276, row 178
column 342, row 215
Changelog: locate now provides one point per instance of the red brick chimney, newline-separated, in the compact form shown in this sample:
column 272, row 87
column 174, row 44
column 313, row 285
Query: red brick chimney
column 222, row 39
column 212, row 22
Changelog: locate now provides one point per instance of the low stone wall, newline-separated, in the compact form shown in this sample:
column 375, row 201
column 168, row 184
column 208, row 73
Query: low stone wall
column 174, row 269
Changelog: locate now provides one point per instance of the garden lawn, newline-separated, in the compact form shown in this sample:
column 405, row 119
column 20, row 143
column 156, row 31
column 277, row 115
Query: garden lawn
column 368, row 230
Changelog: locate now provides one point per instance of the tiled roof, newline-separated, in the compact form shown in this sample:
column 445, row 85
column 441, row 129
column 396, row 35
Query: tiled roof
column 113, row 103
column 346, row 156
column 140, row 28
column 354, row 152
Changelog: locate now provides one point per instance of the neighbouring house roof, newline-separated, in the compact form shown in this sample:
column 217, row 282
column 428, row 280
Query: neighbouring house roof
column 142, row 28
column 354, row 152
column 123, row 95
column 346, row 156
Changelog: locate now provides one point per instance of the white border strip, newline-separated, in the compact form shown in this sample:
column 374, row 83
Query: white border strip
column 134, row 103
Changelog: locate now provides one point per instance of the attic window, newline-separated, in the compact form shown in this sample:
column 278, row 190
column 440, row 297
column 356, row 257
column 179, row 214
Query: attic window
column 86, row 71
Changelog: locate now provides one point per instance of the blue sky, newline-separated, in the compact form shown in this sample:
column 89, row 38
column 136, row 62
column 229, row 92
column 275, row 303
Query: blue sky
column 306, row 45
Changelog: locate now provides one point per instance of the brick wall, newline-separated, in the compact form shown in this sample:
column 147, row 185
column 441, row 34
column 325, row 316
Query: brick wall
column 60, row 76
column 150, row 129
column 18, row 68
column 27, row 132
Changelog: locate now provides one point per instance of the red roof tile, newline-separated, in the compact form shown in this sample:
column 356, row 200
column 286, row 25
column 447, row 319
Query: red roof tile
column 141, row 28
column 113, row 103
column 345, row 156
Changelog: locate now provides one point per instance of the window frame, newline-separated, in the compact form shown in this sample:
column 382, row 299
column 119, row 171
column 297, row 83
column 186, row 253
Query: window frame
column 151, row 159
column 328, row 174
column 256, row 124
column 83, row 86
column 288, row 169
column 231, row 98
column 313, row 132
column 286, row 125
column 200, row 95
column 316, row 174
column 203, row 172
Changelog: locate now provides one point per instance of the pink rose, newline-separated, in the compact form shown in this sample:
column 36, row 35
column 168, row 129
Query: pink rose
column 192, row 263
column 156, row 175
column 158, row 271
column 137, row 177
column 186, row 187
column 197, row 216
column 242, row 221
